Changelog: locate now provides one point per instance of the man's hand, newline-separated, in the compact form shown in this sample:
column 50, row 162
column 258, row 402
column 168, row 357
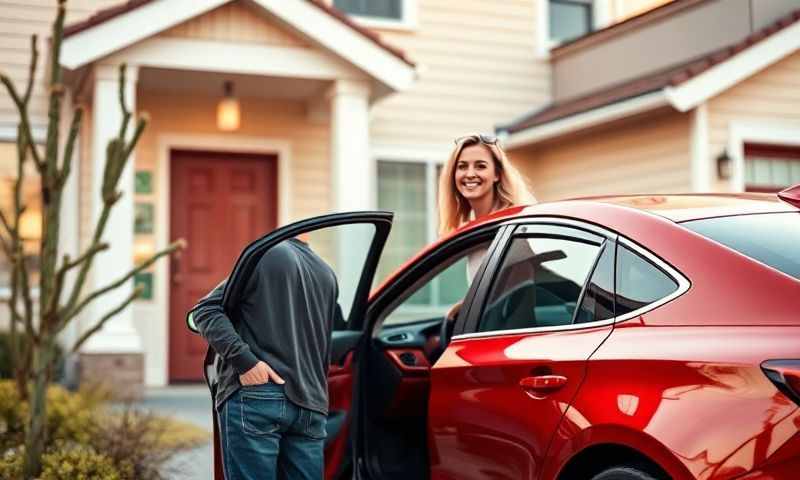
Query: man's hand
column 261, row 373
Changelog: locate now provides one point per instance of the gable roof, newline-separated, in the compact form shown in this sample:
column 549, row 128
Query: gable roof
column 681, row 86
column 111, row 12
column 116, row 28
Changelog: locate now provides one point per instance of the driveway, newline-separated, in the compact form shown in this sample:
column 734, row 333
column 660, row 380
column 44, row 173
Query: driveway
column 190, row 403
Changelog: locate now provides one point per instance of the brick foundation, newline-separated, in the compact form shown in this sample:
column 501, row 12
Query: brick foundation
column 123, row 373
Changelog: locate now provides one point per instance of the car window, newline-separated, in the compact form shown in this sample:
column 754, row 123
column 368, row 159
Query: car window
column 639, row 282
column 771, row 239
column 539, row 283
column 598, row 300
column 446, row 285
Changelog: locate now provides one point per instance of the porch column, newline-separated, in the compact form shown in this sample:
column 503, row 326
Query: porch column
column 352, row 175
column 115, row 352
column 350, row 163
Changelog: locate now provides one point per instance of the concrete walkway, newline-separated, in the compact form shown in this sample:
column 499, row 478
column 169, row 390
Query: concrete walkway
column 190, row 403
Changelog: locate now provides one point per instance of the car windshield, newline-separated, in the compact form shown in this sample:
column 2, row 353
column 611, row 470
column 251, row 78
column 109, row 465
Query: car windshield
column 773, row 239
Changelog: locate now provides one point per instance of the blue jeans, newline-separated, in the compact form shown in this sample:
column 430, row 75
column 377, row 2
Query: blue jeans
column 266, row 437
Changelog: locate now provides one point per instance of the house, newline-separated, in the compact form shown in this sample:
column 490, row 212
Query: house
column 353, row 104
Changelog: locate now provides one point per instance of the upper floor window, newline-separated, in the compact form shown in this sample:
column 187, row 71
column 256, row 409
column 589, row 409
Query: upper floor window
column 569, row 19
column 388, row 14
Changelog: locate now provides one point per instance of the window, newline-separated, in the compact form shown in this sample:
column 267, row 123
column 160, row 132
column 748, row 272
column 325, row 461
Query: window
column 31, row 221
column 431, row 300
column 598, row 300
column 771, row 168
column 385, row 9
column 569, row 19
column 639, row 282
column 771, row 239
column 403, row 188
column 539, row 283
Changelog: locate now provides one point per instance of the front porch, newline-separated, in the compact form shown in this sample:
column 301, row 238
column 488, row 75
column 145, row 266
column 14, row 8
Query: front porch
column 304, row 107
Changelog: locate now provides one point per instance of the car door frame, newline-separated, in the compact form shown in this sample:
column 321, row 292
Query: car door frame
column 383, row 299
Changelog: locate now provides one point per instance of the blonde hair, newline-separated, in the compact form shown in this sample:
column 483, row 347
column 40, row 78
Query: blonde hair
column 511, row 188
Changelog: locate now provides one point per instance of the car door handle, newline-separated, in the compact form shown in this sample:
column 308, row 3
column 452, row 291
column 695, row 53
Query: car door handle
column 541, row 385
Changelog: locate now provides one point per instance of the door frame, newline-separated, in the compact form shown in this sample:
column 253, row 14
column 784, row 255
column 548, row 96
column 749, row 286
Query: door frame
column 155, row 315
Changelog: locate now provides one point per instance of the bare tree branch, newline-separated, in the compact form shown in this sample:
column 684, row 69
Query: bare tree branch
column 67, row 265
column 69, row 314
column 75, row 127
column 32, row 68
column 133, row 296
column 24, row 120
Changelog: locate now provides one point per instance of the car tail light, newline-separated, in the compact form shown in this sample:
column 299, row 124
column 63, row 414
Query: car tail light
column 785, row 374
column 791, row 195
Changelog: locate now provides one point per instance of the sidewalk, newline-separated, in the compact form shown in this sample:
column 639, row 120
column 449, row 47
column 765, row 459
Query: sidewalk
column 190, row 403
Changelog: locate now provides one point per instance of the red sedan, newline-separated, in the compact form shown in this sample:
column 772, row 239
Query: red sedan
column 610, row 338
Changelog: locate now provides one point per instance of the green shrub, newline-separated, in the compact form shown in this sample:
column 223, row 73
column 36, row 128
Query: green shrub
column 66, row 461
column 86, row 438
column 13, row 413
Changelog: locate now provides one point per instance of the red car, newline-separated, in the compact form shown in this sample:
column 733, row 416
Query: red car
column 609, row 338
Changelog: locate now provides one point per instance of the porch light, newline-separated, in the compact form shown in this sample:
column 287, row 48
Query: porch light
column 228, row 110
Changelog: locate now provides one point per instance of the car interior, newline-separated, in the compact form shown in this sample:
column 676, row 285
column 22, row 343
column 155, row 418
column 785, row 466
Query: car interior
column 404, row 343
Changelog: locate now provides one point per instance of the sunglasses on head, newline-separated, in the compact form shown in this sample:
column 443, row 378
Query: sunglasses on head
column 477, row 138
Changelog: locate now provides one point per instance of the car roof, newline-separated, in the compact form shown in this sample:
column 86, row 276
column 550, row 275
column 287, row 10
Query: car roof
column 685, row 207
column 630, row 215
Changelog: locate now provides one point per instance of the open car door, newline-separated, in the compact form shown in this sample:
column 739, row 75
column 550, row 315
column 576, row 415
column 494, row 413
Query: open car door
column 351, row 243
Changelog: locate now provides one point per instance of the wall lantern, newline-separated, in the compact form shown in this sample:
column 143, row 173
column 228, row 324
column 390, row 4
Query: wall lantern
column 228, row 110
column 724, row 165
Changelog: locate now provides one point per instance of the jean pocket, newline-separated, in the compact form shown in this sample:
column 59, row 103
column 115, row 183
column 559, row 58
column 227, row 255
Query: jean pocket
column 262, row 415
column 316, row 426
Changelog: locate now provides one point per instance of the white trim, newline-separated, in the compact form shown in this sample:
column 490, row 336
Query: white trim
column 159, row 322
column 732, row 71
column 587, row 119
column 761, row 131
column 700, row 157
column 310, row 20
column 351, row 45
column 543, row 43
column 119, row 32
column 409, row 22
column 230, row 57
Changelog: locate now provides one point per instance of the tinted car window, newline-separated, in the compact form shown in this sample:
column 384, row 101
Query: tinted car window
column 771, row 239
column 539, row 284
column 598, row 301
column 639, row 282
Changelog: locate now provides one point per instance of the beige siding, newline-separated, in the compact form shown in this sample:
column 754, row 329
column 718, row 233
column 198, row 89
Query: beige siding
column 646, row 156
column 477, row 68
column 622, row 10
column 236, row 22
column 771, row 96
column 19, row 19
column 278, row 120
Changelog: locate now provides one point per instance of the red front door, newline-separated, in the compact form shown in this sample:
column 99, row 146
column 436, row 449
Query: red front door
column 220, row 202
